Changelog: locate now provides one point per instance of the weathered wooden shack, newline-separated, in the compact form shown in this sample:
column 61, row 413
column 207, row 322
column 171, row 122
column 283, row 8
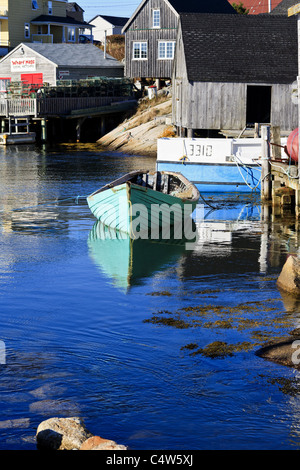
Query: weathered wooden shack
column 39, row 63
column 150, row 34
column 234, row 70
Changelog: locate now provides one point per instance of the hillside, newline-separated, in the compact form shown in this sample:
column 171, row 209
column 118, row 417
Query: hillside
column 138, row 135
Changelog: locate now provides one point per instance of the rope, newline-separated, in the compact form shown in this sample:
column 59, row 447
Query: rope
column 249, row 171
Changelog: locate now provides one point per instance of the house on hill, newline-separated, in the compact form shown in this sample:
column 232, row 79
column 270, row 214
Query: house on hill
column 106, row 24
column 150, row 34
column 36, row 21
column 233, row 70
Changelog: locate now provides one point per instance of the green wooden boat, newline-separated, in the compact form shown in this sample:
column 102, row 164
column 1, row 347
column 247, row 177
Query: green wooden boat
column 150, row 200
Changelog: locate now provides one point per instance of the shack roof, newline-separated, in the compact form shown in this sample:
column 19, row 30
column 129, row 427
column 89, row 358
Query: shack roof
column 240, row 48
column 74, row 55
column 114, row 20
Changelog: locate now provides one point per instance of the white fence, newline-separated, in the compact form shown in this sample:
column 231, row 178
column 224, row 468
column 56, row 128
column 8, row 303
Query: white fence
column 18, row 107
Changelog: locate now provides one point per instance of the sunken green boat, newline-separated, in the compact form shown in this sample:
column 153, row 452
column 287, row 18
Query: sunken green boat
column 144, row 199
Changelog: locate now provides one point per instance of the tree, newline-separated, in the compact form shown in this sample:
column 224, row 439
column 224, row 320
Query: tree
column 240, row 8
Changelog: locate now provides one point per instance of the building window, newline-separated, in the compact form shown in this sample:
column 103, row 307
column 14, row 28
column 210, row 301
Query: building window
column 71, row 34
column 140, row 50
column 27, row 30
column 50, row 10
column 156, row 18
column 166, row 50
column 35, row 5
column 4, row 83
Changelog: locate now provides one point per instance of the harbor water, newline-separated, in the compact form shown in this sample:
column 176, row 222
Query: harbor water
column 152, row 344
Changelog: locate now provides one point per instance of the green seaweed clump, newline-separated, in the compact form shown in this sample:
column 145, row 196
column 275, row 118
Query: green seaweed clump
column 222, row 349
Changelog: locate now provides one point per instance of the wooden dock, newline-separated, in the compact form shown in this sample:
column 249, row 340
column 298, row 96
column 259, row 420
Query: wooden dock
column 280, row 182
column 73, row 101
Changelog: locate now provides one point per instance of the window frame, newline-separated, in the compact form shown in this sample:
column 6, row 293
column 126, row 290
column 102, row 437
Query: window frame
column 50, row 7
column 154, row 20
column 33, row 7
column 27, row 30
column 4, row 79
column 140, row 50
column 71, row 34
column 165, row 56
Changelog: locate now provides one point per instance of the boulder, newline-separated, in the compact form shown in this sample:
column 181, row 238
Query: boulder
column 62, row 434
column 98, row 443
column 289, row 278
column 285, row 352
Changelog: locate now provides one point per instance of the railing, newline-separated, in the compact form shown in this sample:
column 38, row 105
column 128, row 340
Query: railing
column 59, row 106
column 54, row 106
column 44, row 38
column 18, row 107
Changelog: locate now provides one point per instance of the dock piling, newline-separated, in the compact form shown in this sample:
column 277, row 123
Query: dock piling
column 266, row 166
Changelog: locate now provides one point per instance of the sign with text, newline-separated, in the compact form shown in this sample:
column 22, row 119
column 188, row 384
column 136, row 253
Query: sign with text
column 25, row 64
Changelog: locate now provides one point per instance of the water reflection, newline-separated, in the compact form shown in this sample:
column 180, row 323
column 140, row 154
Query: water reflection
column 240, row 234
column 126, row 261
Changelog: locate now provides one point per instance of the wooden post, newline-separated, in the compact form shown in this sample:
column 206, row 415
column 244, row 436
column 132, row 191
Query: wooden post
column 44, row 130
column 265, row 164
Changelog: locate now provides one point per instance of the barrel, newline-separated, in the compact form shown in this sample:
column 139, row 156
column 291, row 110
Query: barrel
column 292, row 145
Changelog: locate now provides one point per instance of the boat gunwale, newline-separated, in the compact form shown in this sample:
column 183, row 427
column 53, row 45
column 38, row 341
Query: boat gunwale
column 127, row 177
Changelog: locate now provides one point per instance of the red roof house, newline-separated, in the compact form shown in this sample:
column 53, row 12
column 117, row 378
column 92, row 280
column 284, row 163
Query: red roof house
column 257, row 6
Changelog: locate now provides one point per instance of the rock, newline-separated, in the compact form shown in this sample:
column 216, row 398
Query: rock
column 98, row 443
column 289, row 279
column 62, row 434
column 286, row 352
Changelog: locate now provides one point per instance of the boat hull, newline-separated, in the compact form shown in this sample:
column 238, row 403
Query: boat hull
column 136, row 210
column 217, row 177
column 214, row 165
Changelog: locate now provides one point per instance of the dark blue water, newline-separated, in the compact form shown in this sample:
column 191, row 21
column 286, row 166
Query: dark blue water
column 127, row 353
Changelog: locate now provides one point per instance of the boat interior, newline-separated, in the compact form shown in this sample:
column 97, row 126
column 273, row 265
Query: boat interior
column 165, row 182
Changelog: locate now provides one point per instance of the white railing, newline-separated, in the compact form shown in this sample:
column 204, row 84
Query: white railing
column 18, row 107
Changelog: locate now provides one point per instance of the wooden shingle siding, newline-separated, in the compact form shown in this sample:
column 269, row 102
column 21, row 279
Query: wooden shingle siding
column 141, row 30
column 207, row 95
column 213, row 105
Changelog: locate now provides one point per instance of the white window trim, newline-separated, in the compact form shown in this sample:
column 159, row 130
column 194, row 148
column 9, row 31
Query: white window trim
column 140, row 43
column 50, row 8
column 153, row 26
column 166, row 42
column 27, row 36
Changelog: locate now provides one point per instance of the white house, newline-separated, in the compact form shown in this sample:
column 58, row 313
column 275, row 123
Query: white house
column 110, row 24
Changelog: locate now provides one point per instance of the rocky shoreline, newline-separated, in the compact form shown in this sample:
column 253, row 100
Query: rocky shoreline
column 138, row 135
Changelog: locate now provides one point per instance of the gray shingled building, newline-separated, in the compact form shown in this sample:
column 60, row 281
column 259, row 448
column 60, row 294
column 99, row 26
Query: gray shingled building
column 47, row 63
column 234, row 70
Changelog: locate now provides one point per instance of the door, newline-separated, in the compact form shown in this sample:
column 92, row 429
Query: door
column 258, row 104
column 32, row 78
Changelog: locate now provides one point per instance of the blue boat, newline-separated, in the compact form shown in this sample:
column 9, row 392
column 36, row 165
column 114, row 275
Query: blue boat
column 146, row 199
column 214, row 165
